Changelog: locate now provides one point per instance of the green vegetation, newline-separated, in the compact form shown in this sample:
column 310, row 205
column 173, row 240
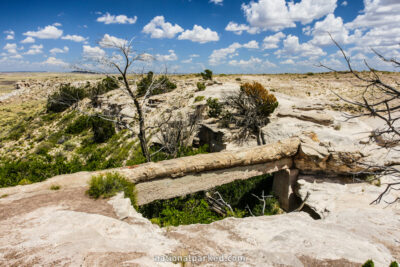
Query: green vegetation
column 65, row 97
column 201, row 86
column 161, row 85
column 103, row 130
column 214, row 107
column 394, row 264
column 207, row 74
column 368, row 263
column 195, row 208
column 109, row 184
column 199, row 98
column 55, row 187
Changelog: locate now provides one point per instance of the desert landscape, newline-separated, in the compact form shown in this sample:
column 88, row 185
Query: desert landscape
column 55, row 222
column 200, row 133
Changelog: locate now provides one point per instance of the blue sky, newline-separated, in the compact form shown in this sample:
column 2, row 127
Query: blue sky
column 227, row 36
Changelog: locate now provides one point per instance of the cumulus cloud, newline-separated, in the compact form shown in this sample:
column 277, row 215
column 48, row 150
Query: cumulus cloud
column 54, row 62
column 276, row 15
column 28, row 40
column 344, row 3
column 288, row 62
column 199, row 35
column 48, row 32
column 292, row 48
column 251, row 45
column 10, row 34
column 377, row 13
column 272, row 41
column 334, row 26
column 112, row 41
column 116, row 19
column 75, row 38
column 59, row 50
column 218, row 56
column 93, row 52
column 34, row 50
column 217, row 2
column 11, row 48
column 252, row 63
column 158, row 28
column 169, row 57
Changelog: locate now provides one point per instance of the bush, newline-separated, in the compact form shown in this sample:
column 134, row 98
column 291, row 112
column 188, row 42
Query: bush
column 65, row 97
column 199, row 98
column 207, row 74
column 109, row 184
column 102, row 129
column 43, row 148
column 214, row 107
column 106, row 85
column 55, row 187
column 16, row 132
column 393, row 264
column 81, row 124
column 238, row 79
column 368, row 263
column 161, row 85
column 201, row 86
column 265, row 102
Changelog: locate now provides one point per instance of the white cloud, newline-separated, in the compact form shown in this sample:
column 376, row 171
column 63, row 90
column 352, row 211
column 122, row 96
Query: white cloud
column 377, row 13
column 240, row 28
column 54, row 62
column 75, row 38
column 344, row 3
column 34, row 50
column 252, row 63
column 28, row 40
column 158, row 28
column 276, row 15
column 11, row 48
column 219, row 55
column 119, row 19
column 169, row 57
column 199, row 35
column 194, row 55
column 189, row 60
column 111, row 41
column 331, row 25
column 251, row 45
column 271, row 42
column 57, row 24
column 292, row 48
column 93, row 52
column 10, row 34
column 59, row 50
column 217, row 2
column 288, row 62
column 48, row 32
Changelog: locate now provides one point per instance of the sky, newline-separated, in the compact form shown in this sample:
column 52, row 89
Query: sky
column 187, row 36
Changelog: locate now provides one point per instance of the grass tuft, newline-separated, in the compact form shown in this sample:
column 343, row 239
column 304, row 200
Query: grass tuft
column 109, row 184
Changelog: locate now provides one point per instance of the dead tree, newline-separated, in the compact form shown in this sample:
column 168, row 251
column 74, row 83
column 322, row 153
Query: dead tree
column 123, row 62
column 380, row 100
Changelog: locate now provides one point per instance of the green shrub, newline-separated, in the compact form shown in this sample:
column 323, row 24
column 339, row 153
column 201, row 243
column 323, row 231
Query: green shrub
column 201, row 86
column 199, row 98
column 65, row 97
column 238, row 79
column 24, row 182
column 368, row 263
column 394, row 264
column 214, row 107
column 207, row 74
column 81, row 124
column 43, row 148
column 102, row 129
column 55, row 187
column 109, row 184
column 161, row 85
column 106, row 85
